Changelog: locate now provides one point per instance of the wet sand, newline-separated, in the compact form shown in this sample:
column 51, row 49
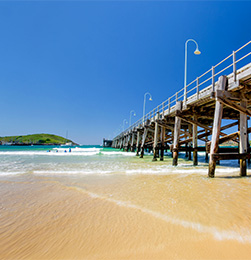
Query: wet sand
column 118, row 218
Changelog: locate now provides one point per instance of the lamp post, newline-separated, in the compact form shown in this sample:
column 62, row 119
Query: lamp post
column 130, row 121
column 144, row 105
column 197, row 52
column 124, row 122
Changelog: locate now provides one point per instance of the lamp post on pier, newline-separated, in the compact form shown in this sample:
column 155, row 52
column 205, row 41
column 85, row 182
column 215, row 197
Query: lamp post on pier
column 197, row 52
column 130, row 121
column 144, row 105
column 124, row 122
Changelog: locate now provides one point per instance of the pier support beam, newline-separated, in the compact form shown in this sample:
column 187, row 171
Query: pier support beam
column 163, row 132
column 143, row 143
column 155, row 144
column 222, row 85
column 190, row 144
column 128, row 137
column 124, row 143
column 176, row 135
column 138, row 143
column 121, row 143
column 132, row 143
column 186, row 145
column 206, row 156
column 243, row 139
column 195, row 143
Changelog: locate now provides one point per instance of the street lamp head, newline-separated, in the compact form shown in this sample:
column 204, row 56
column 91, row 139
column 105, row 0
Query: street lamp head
column 197, row 52
column 150, row 99
column 134, row 114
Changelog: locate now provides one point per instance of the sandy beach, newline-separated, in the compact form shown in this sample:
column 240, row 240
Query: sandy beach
column 128, row 214
column 50, row 221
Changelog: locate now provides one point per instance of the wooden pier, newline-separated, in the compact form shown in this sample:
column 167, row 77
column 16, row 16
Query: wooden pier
column 218, row 100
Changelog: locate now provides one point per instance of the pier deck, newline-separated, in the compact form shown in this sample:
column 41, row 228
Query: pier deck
column 203, row 110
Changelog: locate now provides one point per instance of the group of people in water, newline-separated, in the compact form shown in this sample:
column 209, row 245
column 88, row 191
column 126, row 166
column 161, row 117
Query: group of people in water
column 64, row 150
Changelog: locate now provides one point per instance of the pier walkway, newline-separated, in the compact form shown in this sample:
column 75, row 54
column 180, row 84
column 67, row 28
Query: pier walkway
column 216, row 101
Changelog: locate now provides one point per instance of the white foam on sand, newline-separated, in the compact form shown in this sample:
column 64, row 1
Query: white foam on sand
column 243, row 236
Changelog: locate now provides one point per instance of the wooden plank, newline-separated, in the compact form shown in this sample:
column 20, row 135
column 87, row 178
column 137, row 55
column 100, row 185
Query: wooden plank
column 234, row 106
column 203, row 149
column 222, row 85
column 162, row 123
column 191, row 149
column 234, row 95
column 227, row 137
column 192, row 121
column 231, row 156
column 229, row 125
column 228, row 149
column 189, row 140
column 231, row 136
column 150, row 129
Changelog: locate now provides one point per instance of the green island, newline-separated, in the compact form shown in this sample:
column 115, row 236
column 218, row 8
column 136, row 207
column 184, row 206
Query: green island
column 36, row 139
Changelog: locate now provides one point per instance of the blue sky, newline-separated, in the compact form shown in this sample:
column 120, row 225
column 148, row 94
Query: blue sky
column 82, row 66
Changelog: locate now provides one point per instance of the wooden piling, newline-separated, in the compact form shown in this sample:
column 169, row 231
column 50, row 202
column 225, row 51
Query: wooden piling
column 186, row 137
column 163, row 130
column 143, row 142
column 155, row 144
column 128, row 137
column 248, row 146
column 176, row 134
column 122, row 143
column 190, row 144
column 243, row 139
column 132, row 142
column 195, row 143
column 138, row 143
column 222, row 85
column 206, row 155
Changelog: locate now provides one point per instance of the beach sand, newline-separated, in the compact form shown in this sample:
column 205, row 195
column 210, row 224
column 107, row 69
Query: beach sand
column 42, row 218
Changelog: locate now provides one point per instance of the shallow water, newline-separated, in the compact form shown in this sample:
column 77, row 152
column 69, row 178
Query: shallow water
column 94, row 203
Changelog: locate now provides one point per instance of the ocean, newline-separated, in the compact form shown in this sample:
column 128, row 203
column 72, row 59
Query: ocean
column 90, row 202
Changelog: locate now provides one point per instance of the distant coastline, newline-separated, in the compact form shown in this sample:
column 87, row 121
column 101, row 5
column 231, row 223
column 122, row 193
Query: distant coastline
column 35, row 139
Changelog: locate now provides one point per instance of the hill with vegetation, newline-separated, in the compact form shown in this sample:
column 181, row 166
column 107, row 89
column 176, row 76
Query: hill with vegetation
column 35, row 139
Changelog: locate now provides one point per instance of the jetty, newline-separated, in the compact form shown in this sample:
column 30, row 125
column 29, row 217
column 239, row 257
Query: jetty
column 107, row 143
column 213, row 109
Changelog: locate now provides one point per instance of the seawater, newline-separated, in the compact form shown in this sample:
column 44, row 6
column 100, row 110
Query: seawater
column 90, row 202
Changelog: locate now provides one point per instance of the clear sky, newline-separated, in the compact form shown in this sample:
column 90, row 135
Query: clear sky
column 82, row 66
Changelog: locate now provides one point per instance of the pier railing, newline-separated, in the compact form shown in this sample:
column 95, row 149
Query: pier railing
column 230, row 65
